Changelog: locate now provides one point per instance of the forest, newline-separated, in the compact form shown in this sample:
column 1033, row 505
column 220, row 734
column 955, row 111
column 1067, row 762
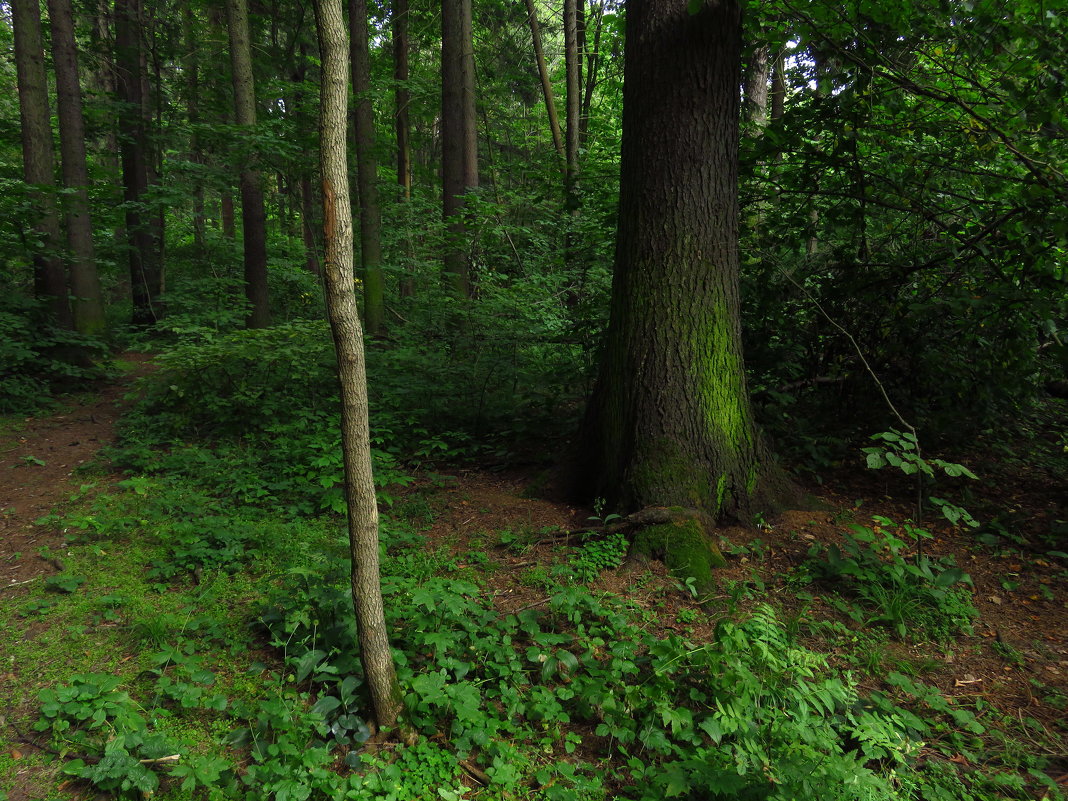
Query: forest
column 564, row 401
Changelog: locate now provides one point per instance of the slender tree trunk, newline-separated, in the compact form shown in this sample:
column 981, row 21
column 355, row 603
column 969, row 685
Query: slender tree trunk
column 402, row 98
column 669, row 423
column 593, row 61
column 38, row 162
column 226, row 212
column 253, row 215
column 366, row 173
column 88, row 306
column 469, row 116
column 756, row 86
column 572, row 68
column 144, row 251
column 192, row 87
column 546, row 83
column 778, row 89
column 402, row 125
column 375, row 654
column 455, row 264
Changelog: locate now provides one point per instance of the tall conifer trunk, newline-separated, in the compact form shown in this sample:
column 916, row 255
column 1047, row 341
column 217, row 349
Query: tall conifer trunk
column 253, row 215
column 88, row 306
column 670, row 423
column 145, row 253
column 38, row 161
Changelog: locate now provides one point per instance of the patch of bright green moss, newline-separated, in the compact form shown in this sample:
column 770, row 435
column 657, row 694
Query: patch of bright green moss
column 686, row 548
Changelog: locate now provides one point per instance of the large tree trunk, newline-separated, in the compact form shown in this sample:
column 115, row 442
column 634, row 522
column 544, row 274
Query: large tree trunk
column 469, row 116
column 145, row 253
column 455, row 264
column 88, row 307
column 366, row 173
column 669, row 423
column 38, row 163
column 375, row 654
column 253, row 216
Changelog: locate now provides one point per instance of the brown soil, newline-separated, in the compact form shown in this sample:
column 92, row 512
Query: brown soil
column 40, row 458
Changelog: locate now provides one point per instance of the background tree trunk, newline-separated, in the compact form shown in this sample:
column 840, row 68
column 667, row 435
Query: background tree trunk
column 402, row 125
column 546, row 82
column 88, row 305
column 38, row 162
column 253, row 216
column 145, row 256
column 455, row 264
column 366, row 173
column 670, row 423
column 375, row 652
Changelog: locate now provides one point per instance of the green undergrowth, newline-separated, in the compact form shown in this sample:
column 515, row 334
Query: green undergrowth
column 175, row 659
column 199, row 642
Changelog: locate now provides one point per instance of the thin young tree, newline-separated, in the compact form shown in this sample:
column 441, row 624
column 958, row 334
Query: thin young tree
column 546, row 82
column 253, row 215
column 88, row 305
column 375, row 654
column 38, row 161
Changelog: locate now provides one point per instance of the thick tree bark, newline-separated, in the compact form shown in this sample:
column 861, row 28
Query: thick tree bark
column 38, row 162
column 669, row 423
column 366, row 173
column 455, row 265
column 88, row 305
column 546, row 83
column 253, row 216
column 145, row 254
column 375, row 652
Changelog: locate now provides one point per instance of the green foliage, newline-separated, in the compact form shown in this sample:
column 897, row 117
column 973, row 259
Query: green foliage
column 597, row 555
column 901, row 450
column 37, row 359
column 914, row 596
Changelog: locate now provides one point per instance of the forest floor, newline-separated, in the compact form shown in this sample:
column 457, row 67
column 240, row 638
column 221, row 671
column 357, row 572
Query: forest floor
column 1016, row 659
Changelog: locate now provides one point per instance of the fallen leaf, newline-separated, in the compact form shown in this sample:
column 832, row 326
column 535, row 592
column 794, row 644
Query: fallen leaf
column 995, row 600
column 16, row 754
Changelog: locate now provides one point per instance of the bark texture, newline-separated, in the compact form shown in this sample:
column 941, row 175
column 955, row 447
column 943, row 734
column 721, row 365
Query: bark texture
column 670, row 422
column 375, row 654
column 455, row 265
column 88, row 304
column 145, row 251
column 38, row 161
column 253, row 216
column 366, row 173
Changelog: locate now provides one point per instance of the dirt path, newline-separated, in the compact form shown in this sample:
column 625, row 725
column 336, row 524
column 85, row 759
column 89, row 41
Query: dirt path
column 39, row 459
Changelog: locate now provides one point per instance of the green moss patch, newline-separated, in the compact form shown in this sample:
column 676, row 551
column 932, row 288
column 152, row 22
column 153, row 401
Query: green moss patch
column 686, row 547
